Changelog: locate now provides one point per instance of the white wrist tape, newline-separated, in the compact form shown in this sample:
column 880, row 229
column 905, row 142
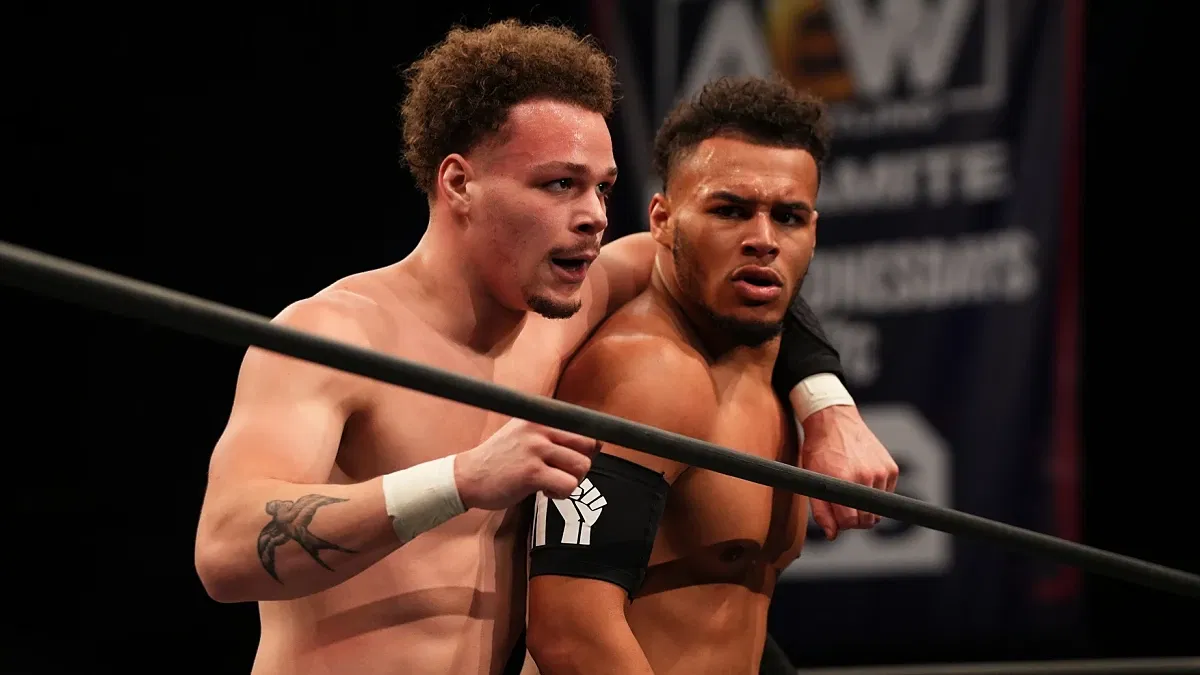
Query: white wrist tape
column 818, row 392
column 422, row 497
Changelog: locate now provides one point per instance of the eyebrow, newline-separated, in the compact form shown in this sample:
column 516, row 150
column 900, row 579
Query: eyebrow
column 573, row 167
column 742, row 201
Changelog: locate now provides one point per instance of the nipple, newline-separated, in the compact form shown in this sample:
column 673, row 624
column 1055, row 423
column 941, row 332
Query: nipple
column 733, row 553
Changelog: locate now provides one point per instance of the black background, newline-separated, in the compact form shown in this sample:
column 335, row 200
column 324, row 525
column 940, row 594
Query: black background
column 250, row 155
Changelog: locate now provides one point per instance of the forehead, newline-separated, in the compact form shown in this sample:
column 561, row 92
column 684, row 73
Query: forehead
column 541, row 131
column 749, row 170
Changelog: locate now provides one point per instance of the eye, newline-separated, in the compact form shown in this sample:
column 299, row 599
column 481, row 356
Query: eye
column 604, row 188
column 729, row 211
column 560, row 185
column 791, row 218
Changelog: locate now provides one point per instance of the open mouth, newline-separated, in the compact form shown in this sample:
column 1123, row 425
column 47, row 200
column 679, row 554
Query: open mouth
column 761, row 277
column 573, row 265
column 572, row 268
column 757, row 286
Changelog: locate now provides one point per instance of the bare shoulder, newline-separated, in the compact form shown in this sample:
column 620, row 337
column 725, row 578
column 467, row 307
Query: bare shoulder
column 637, row 369
column 342, row 313
column 638, row 364
column 355, row 310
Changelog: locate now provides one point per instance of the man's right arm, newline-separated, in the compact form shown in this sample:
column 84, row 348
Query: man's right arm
column 272, row 527
column 590, row 552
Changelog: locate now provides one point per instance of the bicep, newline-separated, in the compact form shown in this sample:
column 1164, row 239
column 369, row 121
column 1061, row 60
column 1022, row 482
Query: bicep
column 574, row 602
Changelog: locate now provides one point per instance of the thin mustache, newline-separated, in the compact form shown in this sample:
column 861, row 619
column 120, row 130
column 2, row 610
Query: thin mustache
column 582, row 249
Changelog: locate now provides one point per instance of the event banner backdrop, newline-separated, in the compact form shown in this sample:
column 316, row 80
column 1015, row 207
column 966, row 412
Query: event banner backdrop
column 937, row 275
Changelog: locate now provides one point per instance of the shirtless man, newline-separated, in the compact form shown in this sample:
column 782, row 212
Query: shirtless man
column 322, row 481
column 653, row 567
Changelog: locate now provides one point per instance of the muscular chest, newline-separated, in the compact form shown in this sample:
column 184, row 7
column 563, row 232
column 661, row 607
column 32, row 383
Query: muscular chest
column 404, row 427
column 721, row 524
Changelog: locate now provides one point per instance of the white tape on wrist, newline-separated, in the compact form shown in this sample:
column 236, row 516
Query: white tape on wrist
column 422, row 497
column 818, row 392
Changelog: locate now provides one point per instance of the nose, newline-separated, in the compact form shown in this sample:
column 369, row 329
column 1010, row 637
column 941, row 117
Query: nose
column 759, row 240
column 593, row 216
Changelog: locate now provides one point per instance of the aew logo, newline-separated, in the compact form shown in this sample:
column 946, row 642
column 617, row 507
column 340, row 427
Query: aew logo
column 884, row 65
column 579, row 513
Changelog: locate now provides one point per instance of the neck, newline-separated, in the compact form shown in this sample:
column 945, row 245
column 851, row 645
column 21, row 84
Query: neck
column 459, row 305
column 716, row 342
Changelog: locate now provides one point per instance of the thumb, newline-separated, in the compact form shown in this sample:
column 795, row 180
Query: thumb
column 823, row 514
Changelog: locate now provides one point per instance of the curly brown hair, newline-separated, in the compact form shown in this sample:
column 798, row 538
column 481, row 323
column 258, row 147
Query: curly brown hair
column 460, row 90
column 766, row 111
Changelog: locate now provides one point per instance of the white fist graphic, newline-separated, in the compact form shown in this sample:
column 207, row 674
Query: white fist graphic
column 580, row 512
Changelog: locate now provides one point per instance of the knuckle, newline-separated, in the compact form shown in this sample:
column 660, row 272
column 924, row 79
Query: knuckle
column 542, row 447
column 532, row 472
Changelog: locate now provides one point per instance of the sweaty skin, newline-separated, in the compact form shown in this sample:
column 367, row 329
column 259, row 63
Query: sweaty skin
column 663, row 361
column 294, row 516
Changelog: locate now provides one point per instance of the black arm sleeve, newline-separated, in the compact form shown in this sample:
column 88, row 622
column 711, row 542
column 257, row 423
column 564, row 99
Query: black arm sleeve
column 804, row 350
column 774, row 660
column 605, row 530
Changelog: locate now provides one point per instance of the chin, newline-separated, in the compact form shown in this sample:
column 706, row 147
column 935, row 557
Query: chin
column 763, row 314
column 554, row 307
column 750, row 326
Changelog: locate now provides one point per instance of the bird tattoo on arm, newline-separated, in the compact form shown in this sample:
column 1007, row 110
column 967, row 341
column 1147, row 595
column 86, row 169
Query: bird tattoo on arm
column 289, row 522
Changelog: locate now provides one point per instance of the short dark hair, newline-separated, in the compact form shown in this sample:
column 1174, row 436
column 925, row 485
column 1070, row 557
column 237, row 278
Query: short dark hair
column 460, row 90
column 766, row 111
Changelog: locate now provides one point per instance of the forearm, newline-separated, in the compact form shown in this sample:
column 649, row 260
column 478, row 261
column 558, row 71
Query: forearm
column 600, row 648
column 253, row 543
column 808, row 372
column 641, row 249
column 628, row 264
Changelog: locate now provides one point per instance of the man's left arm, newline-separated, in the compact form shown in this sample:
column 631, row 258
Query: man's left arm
column 837, row 442
column 621, row 273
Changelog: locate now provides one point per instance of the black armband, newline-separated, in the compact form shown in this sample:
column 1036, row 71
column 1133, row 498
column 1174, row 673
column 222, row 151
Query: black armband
column 605, row 530
column 804, row 350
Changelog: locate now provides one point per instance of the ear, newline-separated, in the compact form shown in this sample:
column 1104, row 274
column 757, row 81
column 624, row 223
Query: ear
column 660, row 220
column 815, row 216
column 453, row 178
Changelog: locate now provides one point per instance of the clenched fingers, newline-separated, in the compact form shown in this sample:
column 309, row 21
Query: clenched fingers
column 869, row 520
column 557, row 484
column 823, row 515
column 567, row 460
column 845, row 517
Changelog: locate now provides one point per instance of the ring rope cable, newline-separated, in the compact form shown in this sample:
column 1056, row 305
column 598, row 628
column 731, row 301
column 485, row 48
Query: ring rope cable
column 99, row 289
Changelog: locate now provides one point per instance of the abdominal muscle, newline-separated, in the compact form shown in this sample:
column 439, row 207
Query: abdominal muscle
column 443, row 603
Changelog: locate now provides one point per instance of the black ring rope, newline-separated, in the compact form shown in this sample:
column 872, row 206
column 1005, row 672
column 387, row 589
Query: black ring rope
column 98, row 289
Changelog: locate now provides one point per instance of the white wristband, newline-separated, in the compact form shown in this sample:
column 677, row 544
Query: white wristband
column 422, row 497
column 816, row 393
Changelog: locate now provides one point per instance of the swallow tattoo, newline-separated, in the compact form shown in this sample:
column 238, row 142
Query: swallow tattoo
column 289, row 522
